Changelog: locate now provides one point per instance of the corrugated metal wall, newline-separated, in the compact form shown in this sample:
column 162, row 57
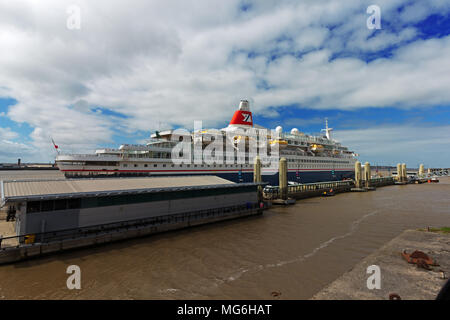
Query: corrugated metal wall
column 76, row 218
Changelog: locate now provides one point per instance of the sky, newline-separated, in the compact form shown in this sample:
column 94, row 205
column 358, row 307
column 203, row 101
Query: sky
column 120, row 70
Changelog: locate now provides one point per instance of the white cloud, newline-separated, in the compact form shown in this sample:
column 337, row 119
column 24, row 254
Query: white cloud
column 405, row 143
column 7, row 134
column 10, row 149
column 172, row 62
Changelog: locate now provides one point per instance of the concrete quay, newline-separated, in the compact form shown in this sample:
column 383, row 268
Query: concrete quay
column 397, row 275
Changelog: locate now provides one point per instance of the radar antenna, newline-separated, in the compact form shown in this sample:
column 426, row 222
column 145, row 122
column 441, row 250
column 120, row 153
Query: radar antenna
column 327, row 130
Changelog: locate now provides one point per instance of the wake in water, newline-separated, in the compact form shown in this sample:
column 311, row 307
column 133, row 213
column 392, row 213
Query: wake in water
column 353, row 227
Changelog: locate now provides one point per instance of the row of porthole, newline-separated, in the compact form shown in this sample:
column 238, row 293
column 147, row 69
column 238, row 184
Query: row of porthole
column 317, row 161
column 226, row 166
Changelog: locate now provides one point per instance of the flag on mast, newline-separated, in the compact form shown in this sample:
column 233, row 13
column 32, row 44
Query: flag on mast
column 55, row 145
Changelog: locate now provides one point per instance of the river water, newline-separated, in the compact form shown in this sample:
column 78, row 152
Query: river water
column 294, row 250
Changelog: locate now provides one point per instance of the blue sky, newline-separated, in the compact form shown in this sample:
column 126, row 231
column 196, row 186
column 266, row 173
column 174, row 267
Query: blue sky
column 132, row 69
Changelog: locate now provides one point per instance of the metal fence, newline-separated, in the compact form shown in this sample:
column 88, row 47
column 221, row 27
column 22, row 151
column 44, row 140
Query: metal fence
column 273, row 192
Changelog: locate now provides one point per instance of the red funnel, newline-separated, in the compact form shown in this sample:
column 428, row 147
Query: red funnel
column 242, row 118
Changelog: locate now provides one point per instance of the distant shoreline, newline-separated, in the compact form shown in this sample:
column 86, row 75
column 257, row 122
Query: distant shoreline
column 27, row 168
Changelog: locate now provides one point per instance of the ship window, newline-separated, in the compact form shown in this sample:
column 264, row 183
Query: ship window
column 135, row 165
column 146, row 165
column 125, row 165
column 164, row 165
column 172, row 165
column 155, row 165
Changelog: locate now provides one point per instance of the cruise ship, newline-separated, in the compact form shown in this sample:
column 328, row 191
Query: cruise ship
column 309, row 158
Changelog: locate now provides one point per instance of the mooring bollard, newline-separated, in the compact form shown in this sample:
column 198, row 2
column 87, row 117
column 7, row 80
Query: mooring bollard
column 358, row 175
column 282, row 175
column 367, row 174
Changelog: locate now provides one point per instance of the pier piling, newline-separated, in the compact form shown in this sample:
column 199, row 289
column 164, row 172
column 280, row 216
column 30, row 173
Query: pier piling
column 421, row 171
column 358, row 178
column 257, row 176
column 368, row 177
column 402, row 176
column 257, row 170
column 367, row 174
column 358, row 175
column 282, row 174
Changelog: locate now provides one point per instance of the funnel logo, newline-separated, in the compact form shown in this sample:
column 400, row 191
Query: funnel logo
column 247, row 117
column 242, row 118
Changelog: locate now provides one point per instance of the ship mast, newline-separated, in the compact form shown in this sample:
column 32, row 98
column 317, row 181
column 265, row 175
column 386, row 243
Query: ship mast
column 327, row 130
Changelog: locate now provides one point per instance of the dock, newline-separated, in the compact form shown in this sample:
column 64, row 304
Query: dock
column 61, row 214
column 307, row 190
column 363, row 181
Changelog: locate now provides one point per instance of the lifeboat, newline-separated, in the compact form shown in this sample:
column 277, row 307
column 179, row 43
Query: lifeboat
column 317, row 148
column 237, row 139
column 281, row 143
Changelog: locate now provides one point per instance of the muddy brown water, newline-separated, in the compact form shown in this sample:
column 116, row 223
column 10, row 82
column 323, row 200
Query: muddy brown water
column 295, row 250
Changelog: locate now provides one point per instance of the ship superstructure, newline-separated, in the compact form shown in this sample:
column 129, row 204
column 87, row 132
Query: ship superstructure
column 309, row 158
